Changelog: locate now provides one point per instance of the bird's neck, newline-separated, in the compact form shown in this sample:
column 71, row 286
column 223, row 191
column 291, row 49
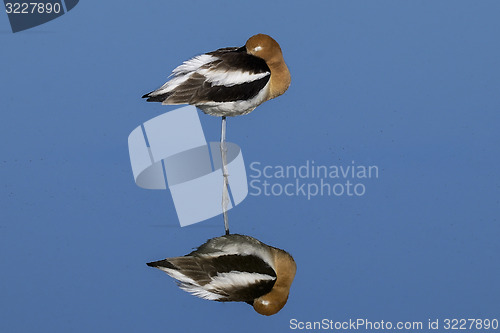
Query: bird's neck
column 285, row 268
column 280, row 78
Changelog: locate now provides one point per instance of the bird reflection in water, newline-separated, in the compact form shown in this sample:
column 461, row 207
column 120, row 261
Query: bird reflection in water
column 235, row 268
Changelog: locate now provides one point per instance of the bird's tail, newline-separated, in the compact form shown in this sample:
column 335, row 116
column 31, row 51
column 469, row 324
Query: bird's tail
column 152, row 97
column 161, row 263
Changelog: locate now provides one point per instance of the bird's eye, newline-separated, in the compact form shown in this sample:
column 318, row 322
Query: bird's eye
column 257, row 48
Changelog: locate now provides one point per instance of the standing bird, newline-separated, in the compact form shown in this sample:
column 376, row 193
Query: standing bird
column 228, row 82
column 235, row 268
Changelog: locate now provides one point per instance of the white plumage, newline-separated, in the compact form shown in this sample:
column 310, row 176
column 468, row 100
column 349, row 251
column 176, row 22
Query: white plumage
column 229, row 78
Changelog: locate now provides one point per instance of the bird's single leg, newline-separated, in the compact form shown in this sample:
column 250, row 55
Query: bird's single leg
column 225, row 190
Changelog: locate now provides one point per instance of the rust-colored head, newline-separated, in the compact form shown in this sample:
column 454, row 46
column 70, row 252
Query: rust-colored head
column 271, row 303
column 265, row 47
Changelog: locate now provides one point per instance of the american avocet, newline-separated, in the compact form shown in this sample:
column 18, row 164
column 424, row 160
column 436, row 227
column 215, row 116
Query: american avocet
column 228, row 82
column 235, row 268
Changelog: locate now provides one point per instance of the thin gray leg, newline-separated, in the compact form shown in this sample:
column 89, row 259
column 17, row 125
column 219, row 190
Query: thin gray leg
column 225, row 190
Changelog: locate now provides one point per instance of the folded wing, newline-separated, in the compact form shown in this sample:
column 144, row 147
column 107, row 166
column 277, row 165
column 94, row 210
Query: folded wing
column 221, row 277
column 225, row 75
